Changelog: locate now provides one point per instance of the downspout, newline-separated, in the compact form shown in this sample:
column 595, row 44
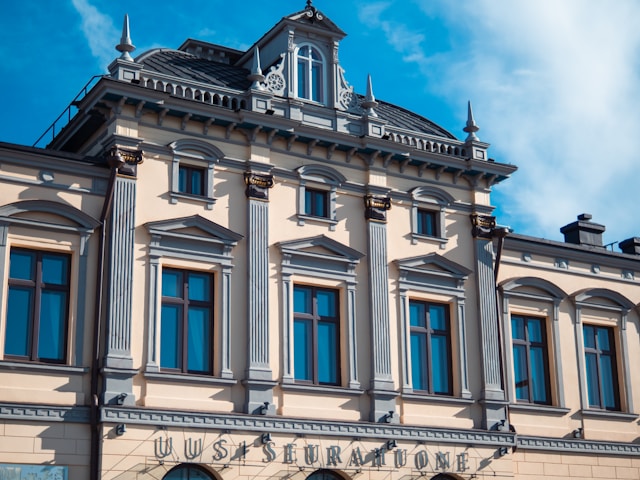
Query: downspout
column 115, row 161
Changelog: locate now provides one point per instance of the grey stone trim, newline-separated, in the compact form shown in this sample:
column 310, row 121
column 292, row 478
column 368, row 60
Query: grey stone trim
column 178, row 378
column 281, row 425
column 438, row 399
column 609, row 415
column 435, row 200
column 538, row 409
column 577, row 446
column 47, row 369
column 321, row 389
column 214, row 244
column 43, row 413
column 321, row 177
column 418, row 275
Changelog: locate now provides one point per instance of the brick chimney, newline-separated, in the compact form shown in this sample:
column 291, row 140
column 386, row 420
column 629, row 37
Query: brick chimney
column 584, row 232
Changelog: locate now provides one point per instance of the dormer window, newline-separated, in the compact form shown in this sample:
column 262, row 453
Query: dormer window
column 310, row 73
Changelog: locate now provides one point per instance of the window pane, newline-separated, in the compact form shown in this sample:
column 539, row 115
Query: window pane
column 589, row 336
column 183, row 176
column 417, row 316
column 199, row 287
column 302, row 77
column 419, row 361
column 539, row 375
column 53, row 325
column 198, row 335
column 437, row 317
column 534, row 327
column 172, row 283
column 440, row 364
column 18, row 327
column 302, row 300
column 327, row 353
column 316, row 82
column 517, row 328
column 326, row 303
column 171, row 336
column 426, row 222
column 520, row 372
column 604, row 344
column 196, row 184
column 55, row 269
column 591, row 362
column 608, row 384
column 303, row 350
column 22, row 265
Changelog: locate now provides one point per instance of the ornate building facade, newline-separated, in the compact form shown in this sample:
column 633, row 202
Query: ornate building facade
column 229, row 265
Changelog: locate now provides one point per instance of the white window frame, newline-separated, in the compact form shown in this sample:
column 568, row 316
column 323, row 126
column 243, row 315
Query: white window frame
column 171, row 247
column 433, row 200
column 309, row 62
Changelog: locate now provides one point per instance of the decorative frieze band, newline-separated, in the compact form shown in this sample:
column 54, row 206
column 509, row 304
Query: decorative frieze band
column 46, row 413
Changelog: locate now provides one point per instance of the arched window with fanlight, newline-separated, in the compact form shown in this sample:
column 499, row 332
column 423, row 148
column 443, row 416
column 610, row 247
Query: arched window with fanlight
column 188, row 472
column 311, row 72
column 324, row 475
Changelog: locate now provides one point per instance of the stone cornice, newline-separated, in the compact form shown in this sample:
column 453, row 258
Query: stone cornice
column 44, row 413
column 578, row 446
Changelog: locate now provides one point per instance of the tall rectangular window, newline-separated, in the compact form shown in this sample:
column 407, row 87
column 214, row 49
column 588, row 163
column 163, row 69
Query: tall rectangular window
column 316, row 335
column 427, row 223
column 600, row 363
column 430, row 337
column 186, row 325
column 37, row 306
column 191, row 179
column 316, row 203
column 530, row 359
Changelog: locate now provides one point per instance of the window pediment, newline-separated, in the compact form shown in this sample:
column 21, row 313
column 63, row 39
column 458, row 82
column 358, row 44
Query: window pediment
column 431, row 270
column 602, row 297
column 47, row 213
column 535, row 288
column 319, row 254
column 321, row 174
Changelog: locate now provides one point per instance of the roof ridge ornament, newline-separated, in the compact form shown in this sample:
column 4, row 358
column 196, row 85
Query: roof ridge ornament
column 125, row 45
column 369, row 100
column 471, row 127
column 312, row 12
column 256, row 75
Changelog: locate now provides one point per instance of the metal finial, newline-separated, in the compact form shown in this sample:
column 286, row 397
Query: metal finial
column 471, row 127
column 256, row 75
column 369, row 100
column 125, row 45
column 309, row 3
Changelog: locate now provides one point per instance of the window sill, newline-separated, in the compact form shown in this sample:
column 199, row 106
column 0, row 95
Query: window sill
column 608, row 415
column 186, row 378
column 321, row 220
column 442, row 399
column 208, row 201
column 538, row 409
column 315, row 389
column 418, row 237
column 43, row 367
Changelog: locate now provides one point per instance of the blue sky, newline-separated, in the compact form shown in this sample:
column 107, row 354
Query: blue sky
column 554, row 84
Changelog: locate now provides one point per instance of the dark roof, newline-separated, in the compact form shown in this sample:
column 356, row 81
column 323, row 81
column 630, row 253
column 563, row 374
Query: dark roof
column 191, row 67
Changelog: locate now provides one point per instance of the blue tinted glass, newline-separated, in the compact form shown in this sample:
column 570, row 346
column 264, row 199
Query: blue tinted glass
column 437, row 317
column 316, row 82
column 197, row 182
column 303, row 350
column 417, row 317
column 22, row 265
column 327, row 353
column 589, row 336
column 170, row 336
column 302, row 300
column 426, row 223
column 603, row 340
column 53, row 325
column 314, row 54
column 182, row 179
column 18, row 326
column 326, row 303
column 198, row 335
column 520, row 372
column 55, row 269
column 535, row 330
column 187, row 473
column 538, row 375
column 171, row 283
column 517, row 328
column 418, row 361
column 440, row 364
column 302, row 78
column 199, row 287
column 608, row 385
column 591, row 364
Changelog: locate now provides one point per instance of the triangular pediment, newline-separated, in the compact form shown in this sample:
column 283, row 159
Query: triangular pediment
column 434, row 264
column 314, row 18
column 320, row 246
column 194, row 227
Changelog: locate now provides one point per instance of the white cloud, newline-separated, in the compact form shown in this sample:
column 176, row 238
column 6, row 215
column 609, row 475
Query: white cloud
column 555, row 90
column 100, row 32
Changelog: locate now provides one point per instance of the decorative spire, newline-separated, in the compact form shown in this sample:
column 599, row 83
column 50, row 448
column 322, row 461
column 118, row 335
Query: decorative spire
column 369, row 100
column 256, row 75
column 309, row 3
column 125, row 45
column 471, row 127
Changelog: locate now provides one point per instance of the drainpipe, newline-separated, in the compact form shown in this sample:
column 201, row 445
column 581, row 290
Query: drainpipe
column 115, row 161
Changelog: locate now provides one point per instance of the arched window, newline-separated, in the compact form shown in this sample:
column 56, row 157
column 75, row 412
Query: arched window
column 324, row 475
column 188, row 472
column 310, row 74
